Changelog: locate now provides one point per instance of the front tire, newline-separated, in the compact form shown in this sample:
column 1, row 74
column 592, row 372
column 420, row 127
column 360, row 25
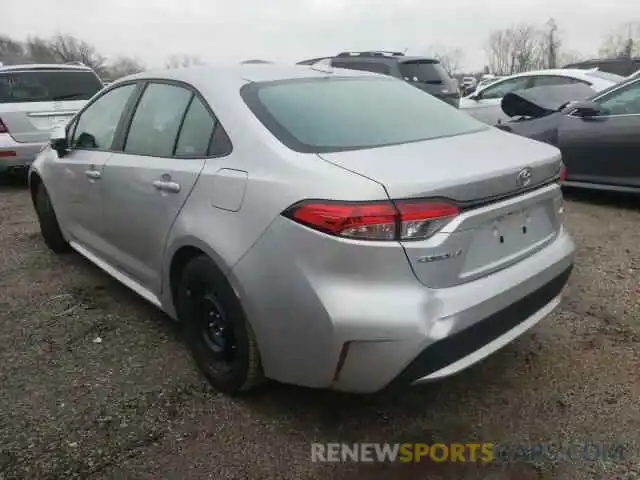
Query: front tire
column 221, row 340
column 49, row 227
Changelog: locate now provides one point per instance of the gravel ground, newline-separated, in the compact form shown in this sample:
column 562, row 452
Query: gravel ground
column 97, row 384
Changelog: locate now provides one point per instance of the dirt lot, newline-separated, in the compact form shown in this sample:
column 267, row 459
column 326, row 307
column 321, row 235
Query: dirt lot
column 96, row 384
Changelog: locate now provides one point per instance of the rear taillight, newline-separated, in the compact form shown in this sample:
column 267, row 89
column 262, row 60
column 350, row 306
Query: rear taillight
column 3, row 127
column 563, row 174
column 385, row 220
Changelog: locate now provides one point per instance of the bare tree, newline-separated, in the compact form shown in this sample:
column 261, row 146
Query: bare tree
column 518, row 48
column 11, row 51
column 182, row 60
column 123, row 66
column 68, row 48
column 39, row 50
column 552, row 44
column 569, row 57
column 450, row 58
column 623, row 41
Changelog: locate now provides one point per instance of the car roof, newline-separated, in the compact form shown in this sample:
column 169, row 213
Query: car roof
column 564, row 72
column 43, row 66
column 201, row 76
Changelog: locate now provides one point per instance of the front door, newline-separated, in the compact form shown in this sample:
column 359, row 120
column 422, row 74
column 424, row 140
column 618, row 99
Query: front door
column 147, row 184
column 78, row 184
column 605, row 148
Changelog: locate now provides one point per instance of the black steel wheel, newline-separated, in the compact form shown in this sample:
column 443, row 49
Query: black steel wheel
column 221, row 340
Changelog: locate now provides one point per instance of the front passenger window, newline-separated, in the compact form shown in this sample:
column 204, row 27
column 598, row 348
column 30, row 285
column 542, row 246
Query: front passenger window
column 96, row 127
column 625, row 101
column 155, row 125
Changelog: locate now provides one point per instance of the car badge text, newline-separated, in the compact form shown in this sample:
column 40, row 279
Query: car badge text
column 440, row 256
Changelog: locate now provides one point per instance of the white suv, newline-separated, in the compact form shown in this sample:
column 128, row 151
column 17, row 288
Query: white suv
column 33, row 99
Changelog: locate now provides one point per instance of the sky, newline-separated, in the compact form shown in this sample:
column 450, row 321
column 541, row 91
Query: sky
column 226, row 31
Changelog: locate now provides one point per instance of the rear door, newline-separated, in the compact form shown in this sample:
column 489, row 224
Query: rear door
column 605, row 148
column 147, row 183
column 33, row 101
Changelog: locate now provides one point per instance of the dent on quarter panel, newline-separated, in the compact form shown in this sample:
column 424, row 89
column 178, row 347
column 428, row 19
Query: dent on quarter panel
column 229, row 186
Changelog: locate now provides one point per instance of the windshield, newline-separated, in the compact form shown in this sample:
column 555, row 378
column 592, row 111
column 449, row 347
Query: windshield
column 48, row 86
column 612, row 77
column 423, row 71
column 319, row 115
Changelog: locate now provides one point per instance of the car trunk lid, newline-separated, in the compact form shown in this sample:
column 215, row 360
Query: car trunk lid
column 32, row 122
column 509, row 208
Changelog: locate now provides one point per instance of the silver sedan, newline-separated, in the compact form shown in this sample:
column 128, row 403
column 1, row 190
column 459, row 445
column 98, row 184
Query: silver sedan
column 316, row 226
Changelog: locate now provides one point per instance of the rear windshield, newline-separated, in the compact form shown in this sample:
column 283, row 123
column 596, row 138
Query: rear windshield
column 346, row 113
column 47, row 86
column 423, row 71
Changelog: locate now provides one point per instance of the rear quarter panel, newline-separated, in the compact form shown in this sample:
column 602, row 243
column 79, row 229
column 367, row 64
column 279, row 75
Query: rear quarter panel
column 276, row 178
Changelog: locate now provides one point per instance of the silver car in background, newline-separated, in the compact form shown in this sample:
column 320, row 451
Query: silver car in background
column 302, row 232
column 485, row 102
column 33, row 100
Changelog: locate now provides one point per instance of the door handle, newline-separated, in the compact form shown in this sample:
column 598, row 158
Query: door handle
column 93, row 174
column 166, row 186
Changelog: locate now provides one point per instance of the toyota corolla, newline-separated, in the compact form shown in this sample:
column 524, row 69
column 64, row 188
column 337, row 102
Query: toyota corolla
column 316, row 226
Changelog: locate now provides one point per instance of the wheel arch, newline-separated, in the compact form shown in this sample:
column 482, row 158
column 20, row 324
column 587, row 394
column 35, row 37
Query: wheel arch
column 179, row 256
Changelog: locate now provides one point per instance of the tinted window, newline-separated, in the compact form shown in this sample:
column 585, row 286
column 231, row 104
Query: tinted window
column 547, row 80
column 427, row 72
column 196, row 131
column 48, row 86
column 97, row 125
column 320, row 115
column 625, row 101
column 376, row 67
column 499, row 90
column 155, row 124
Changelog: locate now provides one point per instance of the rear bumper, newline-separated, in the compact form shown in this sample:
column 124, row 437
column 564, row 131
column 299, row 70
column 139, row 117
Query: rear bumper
column 16, row 156
column 463, row 349
column 356, row 318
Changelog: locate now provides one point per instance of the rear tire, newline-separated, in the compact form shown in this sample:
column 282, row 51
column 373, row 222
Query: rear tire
column 49, row 226
column 221, row 340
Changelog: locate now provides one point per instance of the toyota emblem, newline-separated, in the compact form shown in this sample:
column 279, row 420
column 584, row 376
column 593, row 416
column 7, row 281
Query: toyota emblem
column 524, row 177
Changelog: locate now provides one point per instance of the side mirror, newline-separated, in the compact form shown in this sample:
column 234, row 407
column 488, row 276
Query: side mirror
column 474, row 96
column 585, row 109
column 58, row 140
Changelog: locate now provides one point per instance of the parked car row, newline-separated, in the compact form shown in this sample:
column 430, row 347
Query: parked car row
column 326, row 225
column 322, row 227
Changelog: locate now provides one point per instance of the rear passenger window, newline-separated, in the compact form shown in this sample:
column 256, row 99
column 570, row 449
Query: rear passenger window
column 155, row 124
column 543, row 81
column 196, row 132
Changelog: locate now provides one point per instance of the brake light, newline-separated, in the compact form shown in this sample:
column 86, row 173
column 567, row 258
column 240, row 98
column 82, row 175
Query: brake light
column 563, row 174
column 385, row 220
column 3, row 127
